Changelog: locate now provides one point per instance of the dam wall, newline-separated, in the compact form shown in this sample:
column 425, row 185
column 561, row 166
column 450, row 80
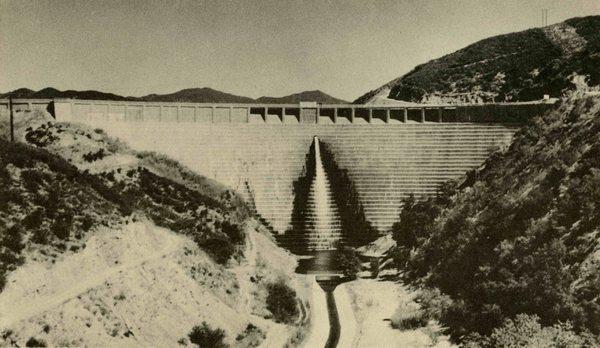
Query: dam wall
column 260, row 150
column 25, row 105
column 302, row 113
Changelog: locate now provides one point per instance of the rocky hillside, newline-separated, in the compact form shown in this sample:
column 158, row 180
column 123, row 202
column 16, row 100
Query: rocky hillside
column 513, row 254
column 101, row 245
column 520, row 66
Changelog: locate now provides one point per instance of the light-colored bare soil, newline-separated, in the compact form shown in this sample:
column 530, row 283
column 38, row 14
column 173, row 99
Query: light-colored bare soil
column 374, row 302
column 348, row 326
column 319, row 325
column 141, row 286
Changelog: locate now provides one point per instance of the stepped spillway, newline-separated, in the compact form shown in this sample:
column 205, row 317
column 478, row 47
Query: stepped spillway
column 324, row 227
column 386, row 162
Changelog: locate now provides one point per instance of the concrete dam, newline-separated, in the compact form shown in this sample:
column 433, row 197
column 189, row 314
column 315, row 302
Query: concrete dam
column 384, row 152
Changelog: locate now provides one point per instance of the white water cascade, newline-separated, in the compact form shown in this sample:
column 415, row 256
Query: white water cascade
column 323, row 225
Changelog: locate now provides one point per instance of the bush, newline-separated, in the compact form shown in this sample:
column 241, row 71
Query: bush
column 251, row 337
column 2, row 279
column 408, row 316
column 62, row 225
column 94, row 156
column 349, row 262
column 34, row 219
column 526, row 331
column 34, row 342
column 233, row 231
column 12, row 239
column 41, row 137
column 433, row 303
column 219, row 249
column 87, row 222
column 205, row 336
column 281, row 302
column 374, row 267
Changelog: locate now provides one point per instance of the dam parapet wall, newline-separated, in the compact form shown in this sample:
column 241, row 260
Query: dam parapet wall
column 302, row 113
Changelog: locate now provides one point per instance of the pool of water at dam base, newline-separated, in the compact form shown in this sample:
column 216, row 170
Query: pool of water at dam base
column 323, row 262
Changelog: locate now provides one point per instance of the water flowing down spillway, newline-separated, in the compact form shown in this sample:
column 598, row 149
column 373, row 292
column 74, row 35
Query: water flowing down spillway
column 323, row 222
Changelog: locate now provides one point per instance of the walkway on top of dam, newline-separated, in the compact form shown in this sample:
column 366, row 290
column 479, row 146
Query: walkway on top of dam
column 299, row 113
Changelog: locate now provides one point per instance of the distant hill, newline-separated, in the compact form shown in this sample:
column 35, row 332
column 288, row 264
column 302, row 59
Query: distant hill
column 49, row 93
column 318, row 96
column 519, row 66
column 198, row 95
column 191, row 95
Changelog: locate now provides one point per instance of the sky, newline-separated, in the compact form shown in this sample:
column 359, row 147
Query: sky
column 251, row 48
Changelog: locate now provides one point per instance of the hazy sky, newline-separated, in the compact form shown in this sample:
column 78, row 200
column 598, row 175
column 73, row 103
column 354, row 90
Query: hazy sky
column 250, row 48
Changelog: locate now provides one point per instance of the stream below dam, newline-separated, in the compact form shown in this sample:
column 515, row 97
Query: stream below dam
column 324, row 266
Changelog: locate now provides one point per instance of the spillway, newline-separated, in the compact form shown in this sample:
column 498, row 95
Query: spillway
column 324, row 230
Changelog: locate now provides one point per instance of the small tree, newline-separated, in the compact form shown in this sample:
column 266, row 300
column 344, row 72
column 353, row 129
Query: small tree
column 281, row 301
column 349, row 262
column 205, row 336
column 34, row 342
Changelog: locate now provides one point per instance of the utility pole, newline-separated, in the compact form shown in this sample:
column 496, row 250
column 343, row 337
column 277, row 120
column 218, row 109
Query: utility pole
column 12, row 125
column 544, row 17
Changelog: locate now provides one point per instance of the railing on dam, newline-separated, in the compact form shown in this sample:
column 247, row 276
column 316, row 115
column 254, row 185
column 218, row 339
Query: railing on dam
column 302, row 113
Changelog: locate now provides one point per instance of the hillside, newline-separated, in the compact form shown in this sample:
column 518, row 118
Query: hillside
column 520, row 66
column 190, row 95
column 318, row 96
column 198, row 95
column 518, row 240
column 101, row 246
column 50, row 93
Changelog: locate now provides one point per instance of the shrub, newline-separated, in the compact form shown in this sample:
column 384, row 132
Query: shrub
column 2, row 279
column 34, row 342
column 87, row 222
column 374, row 267
column 525, row 331
column 205, row 336
column 233, row 231
column 40, row 236
column 41, row 137
column 251, row 337
column 219, row 249
column 62, row 225
column 349, row 262
column 12, row 239
column 408, row 316
column 281, row 302
column 94, row 156
column 433, row 303
column 34, row 219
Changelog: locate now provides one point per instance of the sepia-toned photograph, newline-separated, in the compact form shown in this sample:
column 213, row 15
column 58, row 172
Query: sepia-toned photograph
column 300, row 173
